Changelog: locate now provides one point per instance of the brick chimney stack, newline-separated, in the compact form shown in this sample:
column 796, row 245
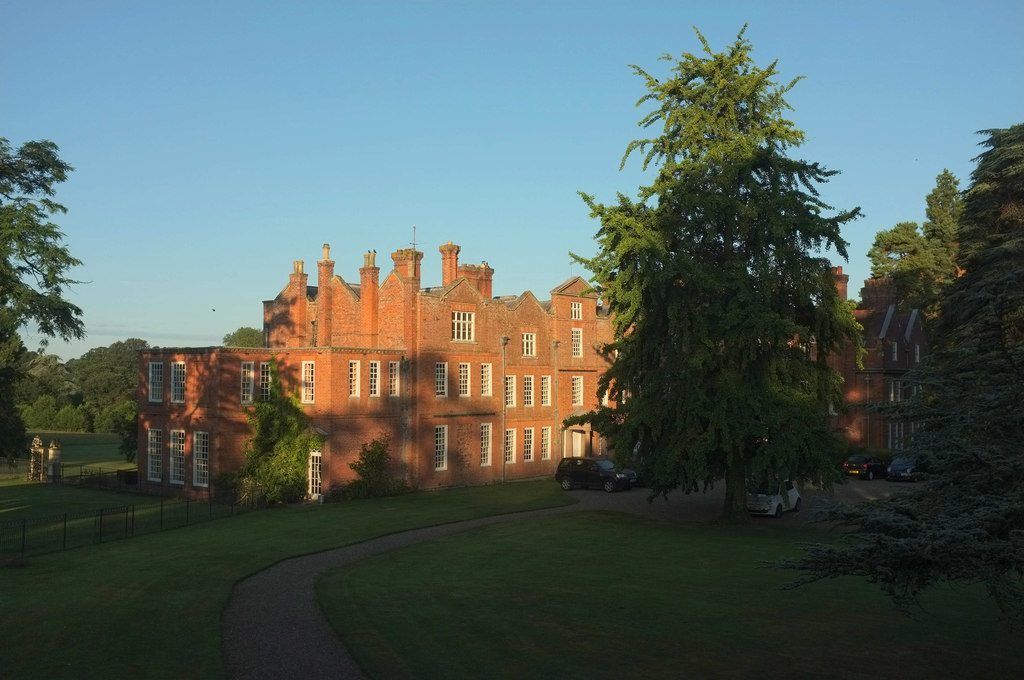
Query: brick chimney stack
column 407, row 263
column 449, row 262
column 324, row 298
column 480, row 275
column 369, row 283
column 842, row 281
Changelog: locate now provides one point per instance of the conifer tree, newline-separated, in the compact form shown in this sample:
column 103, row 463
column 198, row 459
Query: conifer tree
column 921, row 260
column 966, row 524
column 725, row 307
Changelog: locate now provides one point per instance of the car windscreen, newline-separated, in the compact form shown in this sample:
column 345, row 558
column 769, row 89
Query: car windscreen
column 902, row 462
column 605, row 465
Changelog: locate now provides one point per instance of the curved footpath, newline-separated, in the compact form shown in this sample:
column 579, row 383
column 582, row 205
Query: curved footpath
column 273, row 628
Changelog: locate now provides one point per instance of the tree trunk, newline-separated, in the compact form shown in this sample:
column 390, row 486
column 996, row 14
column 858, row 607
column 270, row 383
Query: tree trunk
column 735, row 507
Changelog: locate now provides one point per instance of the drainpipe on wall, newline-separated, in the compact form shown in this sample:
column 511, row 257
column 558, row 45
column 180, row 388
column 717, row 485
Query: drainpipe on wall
column 504, row 400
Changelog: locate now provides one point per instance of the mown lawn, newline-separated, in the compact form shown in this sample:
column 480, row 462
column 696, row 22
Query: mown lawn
column 150, row 606
column 612, row 596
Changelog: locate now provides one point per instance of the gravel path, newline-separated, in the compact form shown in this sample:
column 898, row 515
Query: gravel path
column 273, row 628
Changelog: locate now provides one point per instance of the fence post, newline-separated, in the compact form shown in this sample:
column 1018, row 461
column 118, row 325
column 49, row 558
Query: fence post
column 64, row 538
column 126, row 521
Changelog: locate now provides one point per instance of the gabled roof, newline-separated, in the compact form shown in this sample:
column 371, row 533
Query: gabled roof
column 445, row 291
column 575, row 285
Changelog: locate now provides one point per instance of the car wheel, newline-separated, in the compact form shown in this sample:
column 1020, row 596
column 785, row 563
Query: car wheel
column 778, row 510
column 609, row 485
column 870, row 475
column 566, row 484
column 799, row 503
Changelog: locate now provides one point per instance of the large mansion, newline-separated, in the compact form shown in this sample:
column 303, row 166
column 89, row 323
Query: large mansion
column 468, row 388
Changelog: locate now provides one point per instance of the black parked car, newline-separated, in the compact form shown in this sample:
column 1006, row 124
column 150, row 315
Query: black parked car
column 865, row 467
column 596, row 472
column 903, row 469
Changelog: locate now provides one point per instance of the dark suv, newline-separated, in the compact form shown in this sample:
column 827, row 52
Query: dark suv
column 597, row 472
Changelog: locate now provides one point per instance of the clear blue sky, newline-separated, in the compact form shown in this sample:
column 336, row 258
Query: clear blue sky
column 216, row 141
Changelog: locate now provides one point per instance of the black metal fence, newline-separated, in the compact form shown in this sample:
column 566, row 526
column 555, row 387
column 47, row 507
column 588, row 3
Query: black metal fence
column 22, row 538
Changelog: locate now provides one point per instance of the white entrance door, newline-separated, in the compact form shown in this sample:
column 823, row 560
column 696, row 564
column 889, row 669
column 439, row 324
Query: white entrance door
column 579, row 444
column 316, row 486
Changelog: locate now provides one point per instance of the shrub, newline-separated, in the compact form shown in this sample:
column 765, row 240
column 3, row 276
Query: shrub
column 375, row 473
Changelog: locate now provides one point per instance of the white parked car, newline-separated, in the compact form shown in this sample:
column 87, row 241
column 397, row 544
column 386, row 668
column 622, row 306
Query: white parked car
column 774, row 501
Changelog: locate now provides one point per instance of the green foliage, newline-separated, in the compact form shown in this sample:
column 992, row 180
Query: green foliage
column 277, row 454
column 121, row 419
column 41, row 413
column 108, row 375
column 245, row 336
column 711, row 276
column 34, row 267
column 376, row 478
column 921, row 261
column 967, row 523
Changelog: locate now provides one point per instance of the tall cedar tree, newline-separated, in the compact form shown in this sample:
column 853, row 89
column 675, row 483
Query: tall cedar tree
column 967, row 523
column 33, row 267
column 724, row 308
column 921, row 261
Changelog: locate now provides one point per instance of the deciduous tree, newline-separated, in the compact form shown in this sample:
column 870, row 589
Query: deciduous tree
column 245, row 336
column 277, row 454
column 34, row 266
column 967, row 523
column 725, row 306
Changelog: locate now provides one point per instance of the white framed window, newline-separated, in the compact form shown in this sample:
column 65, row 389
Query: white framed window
column 917, row 354
column 156, row 381
column 528, row 445
column 527, row 390
column 545, row 390
column 373, row 379
column 462, row 326
column 510, row 446
column 177, row 456
column 545, row 443
column 485, row 380
column 315, row 473
column 265, row 380
column 577, row 390
column 464, row 379
column 577, row 342
column 200, row 459
column 895, row 351
column 393, row 383
column 353, row 378
column 510, row 390
column 440, row 447
column 485, row 444
column 529, row 344
column 154, row 450
column 576, row 310
column 178, row 382
column 308, row 382
column 441, row 379
column 248, row 381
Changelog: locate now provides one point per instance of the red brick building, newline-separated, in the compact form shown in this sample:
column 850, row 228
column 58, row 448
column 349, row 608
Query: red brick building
column 894, row 341
column 469, row 388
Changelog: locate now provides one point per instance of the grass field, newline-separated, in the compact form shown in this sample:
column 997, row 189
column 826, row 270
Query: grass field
column 595, row 595
column 150, row 607
column 612, row 596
